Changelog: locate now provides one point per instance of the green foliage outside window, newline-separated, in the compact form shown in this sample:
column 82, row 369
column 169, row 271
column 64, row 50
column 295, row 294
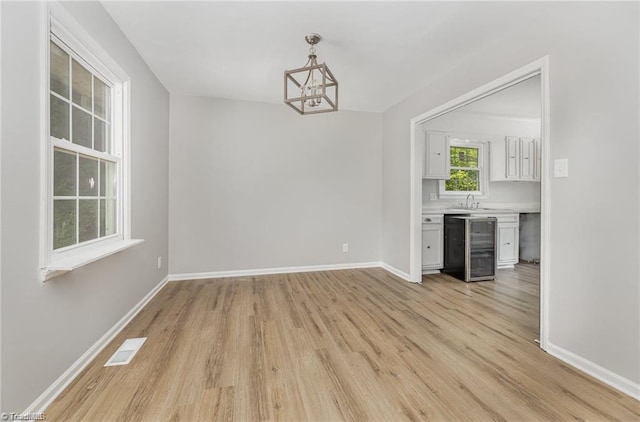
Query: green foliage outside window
column 465, row 172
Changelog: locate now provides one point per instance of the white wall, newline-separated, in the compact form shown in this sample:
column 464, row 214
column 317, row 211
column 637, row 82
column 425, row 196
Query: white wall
column 491, row 129
column 255, row 186
column 46, row 328
column 594, row 283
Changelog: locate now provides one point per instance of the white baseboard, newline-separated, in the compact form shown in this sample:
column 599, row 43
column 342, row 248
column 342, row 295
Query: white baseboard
column 41, row 403
column 395, row 271
column 46, row 398
column 265, row 271
column 612, row 379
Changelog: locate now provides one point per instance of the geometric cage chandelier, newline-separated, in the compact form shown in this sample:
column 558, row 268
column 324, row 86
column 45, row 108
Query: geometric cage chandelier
column 312, row 88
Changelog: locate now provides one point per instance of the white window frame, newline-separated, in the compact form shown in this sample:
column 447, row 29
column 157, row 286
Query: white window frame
column 61, row 26
column 483, row 168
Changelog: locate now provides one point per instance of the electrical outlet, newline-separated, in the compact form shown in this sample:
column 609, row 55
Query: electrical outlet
column 159, row 262
column 433, row 197
column 345, row 247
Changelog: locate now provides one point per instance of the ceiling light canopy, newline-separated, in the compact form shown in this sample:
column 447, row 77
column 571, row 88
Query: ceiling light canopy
column 312, row 88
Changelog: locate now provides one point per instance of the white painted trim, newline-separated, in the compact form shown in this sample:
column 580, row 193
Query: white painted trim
column 125, row 164
column 0, row 203
column 512, row 78
column 85, row 256
column 541, row 67
column 397, row 272
column 62, row 24
column 58, row 23
column 603, row 374
column 46, row 398
column 545, row 204
column 46, row 173
column 50, row 394
column 266, row 271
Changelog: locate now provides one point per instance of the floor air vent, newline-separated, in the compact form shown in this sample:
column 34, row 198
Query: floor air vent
column 126, row 352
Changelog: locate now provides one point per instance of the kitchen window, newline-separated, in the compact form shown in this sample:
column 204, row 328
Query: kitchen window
column 85, row 177
column 468, row 172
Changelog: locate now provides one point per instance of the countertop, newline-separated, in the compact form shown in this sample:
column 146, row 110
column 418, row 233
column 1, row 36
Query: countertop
column 487, row 209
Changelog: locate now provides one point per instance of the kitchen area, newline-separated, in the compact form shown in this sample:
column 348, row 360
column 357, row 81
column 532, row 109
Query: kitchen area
column 481, row 185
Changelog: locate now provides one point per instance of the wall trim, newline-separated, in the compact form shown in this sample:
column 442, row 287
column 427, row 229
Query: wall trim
column 266, row 271
column 50, row 394
column 538, row 67
column 397, row 272
column 58, row 386
column 610, row 378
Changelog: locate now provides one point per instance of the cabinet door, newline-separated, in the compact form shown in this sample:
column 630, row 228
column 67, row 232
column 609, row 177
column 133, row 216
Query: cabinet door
column 512, row 146
column 507, row 244
column 436, row 156
column 538, row 166
column 432, row 246
column 497, row 161
column 527, row 158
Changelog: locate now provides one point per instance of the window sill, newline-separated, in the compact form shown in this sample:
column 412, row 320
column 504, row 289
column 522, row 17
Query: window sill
column 71, row 262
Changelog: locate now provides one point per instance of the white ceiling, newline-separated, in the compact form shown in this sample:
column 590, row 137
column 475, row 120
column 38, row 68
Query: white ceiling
column 380, row 52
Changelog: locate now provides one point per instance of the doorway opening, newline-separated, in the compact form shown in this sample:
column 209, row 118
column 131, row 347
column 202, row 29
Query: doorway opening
column 537, row 69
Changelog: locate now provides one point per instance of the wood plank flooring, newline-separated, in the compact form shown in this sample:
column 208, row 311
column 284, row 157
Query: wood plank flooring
column 357, row 345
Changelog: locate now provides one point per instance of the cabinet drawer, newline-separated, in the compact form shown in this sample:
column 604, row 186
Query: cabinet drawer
column 507, row 218
column 432, row 219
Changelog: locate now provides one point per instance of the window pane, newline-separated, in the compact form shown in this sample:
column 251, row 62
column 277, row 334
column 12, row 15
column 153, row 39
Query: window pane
column 88, row 219
column 81, row 85
column 101, row 99
column 464, row 157
column 64, row 173
column 64, row 222
column 101, row 140
column 81, row 127
column 59, row 118
column 88, row 180
column 59, row 65
column 107, row 178
column 463, row 180
column 107, row 217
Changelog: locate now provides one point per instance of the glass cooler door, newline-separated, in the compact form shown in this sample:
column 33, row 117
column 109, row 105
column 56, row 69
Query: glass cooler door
column 481, row 246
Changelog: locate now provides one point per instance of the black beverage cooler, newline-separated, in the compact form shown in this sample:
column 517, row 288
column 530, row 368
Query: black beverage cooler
column 470, row 247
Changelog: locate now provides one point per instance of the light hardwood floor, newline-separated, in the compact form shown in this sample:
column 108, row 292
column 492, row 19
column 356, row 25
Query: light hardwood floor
column 340, row 345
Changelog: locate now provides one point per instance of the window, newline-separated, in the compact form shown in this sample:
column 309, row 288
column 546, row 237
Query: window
column 467, row 169
column 85, row 169
column 85, row 179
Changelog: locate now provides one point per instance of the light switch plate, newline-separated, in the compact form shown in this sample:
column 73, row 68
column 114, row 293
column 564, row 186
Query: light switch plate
column 561, row 167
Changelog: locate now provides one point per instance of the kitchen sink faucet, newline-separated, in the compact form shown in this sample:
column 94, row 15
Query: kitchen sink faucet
column 473, row 198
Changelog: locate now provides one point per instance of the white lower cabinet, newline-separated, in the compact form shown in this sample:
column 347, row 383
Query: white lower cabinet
column 507, row 240
column 432, row 243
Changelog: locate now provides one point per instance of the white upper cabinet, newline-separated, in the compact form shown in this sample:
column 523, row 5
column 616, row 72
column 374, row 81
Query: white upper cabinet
column 515, row 159
column 436, row 156
column 538, row 166
column 512, row 157
column 527, row 158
